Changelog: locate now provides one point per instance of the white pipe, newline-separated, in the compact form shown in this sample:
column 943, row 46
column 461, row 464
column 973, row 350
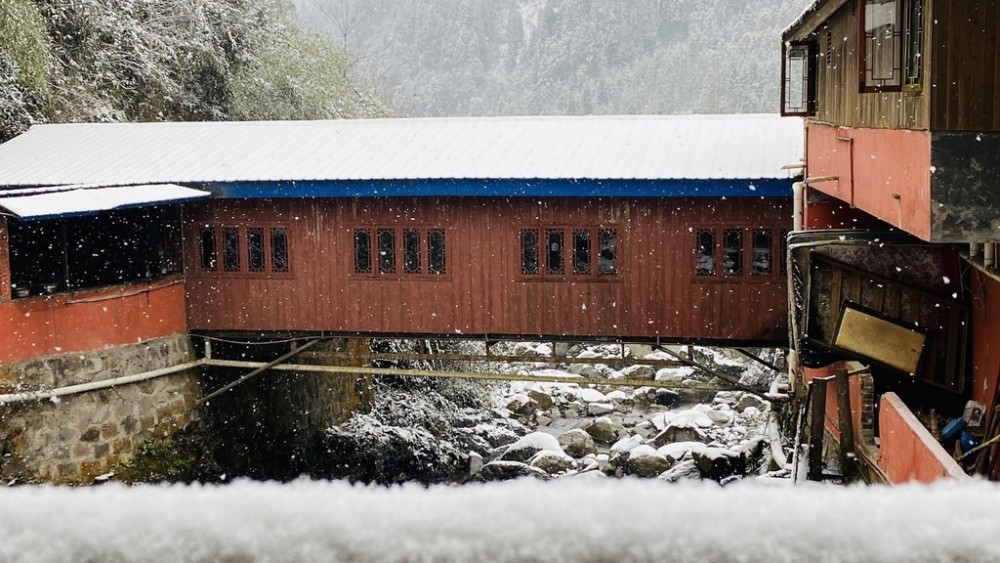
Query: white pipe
column 798, row 205
column 989, row 256
column 95, row 385
column 975, row 249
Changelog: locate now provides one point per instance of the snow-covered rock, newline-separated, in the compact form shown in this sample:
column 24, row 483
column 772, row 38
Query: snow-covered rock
column 678, row 431
column 718, row 463
column 685, row 470
column 748, row 400
column 523, row 449
column 679, row 450
column 542, row 399
column 645, row 461
column 720, row 417
column 551, row 462
column 597, row 409
column 674, row 374
column 602, row 430
column 577, row 443
column 626, row 445
column 637, row 372
column 505, row 470
column 644, row 429
column 521, row 404
column 589, row 395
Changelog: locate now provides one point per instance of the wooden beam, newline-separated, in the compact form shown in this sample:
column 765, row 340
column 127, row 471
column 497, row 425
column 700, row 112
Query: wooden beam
column 816, row 417
column 848, row 456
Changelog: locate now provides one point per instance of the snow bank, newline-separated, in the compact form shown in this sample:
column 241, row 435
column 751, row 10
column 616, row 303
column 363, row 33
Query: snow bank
column 516, row 521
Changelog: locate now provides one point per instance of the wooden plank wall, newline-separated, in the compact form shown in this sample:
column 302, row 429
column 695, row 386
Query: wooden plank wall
column 656, row 294
column 965, row 65
column 839, row 100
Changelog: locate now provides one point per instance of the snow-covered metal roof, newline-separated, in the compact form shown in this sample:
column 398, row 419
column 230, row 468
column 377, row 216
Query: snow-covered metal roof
column 76, row 200
column 697, row 147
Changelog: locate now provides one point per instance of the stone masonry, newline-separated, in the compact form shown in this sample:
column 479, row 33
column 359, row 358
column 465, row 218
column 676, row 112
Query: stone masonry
column 76, row 438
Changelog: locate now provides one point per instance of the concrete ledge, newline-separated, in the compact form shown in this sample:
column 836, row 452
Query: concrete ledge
column 908, row 451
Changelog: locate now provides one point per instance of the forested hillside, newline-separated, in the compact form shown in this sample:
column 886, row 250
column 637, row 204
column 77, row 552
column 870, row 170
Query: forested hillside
column 503, row 57
column 151, row 60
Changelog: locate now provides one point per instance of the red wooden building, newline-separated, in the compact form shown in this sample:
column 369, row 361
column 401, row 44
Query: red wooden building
column 637, row 228
column 903, row 137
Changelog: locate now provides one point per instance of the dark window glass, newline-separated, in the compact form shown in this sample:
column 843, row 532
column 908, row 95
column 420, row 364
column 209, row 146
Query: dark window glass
column 733, row 262
column 231, row 249
column 705, row 265
column 208, row 255
column 279, row 250
column 362, row 251
column 435, row 251
column 255, row 250
column 581, row 251
column 554, row 251
column 386, row 251
column 529, row 252
column 608, row 241
column 761, row 265
column 411, row 251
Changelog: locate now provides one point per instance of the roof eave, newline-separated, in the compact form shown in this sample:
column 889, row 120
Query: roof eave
column 810, row 20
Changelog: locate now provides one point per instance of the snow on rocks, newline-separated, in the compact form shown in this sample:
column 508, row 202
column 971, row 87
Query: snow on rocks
column 597, row 428
column 528, row 446
column 577, row 443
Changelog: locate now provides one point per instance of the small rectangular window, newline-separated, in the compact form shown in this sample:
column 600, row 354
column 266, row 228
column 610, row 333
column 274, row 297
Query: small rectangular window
column 798, row 79
column 761, row 265
column 733, row 260
column 581, row 251
column 255, row 250
column 386, row 251
column 554, row 251
column 436, row 252
column 231, row 249
column 882, row 45
column 209, row 257
column 362, row 251
column 279, row 250
column 608, row 259
column 411, row 251
column 529, row 252
column 705, row 258
column 914, row 43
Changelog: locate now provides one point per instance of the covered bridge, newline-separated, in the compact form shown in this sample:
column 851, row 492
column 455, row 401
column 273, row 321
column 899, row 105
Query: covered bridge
column 657, row 228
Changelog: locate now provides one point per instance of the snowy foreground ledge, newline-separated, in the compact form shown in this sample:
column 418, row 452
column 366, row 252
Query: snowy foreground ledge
column 569, row 520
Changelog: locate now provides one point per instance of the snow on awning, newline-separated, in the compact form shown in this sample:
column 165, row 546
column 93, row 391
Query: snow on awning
column 61, row 201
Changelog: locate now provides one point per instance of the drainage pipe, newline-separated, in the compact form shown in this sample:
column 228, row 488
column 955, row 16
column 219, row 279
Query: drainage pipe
column 95, row 385
column 798, row 205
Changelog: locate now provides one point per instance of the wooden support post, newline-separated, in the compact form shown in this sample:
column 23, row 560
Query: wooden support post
column 817, row 415
column 848, row 456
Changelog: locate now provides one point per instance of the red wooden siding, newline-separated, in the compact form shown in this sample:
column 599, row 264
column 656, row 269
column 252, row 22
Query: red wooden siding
column 884, row 172
column 654, row 294
column 90, row 319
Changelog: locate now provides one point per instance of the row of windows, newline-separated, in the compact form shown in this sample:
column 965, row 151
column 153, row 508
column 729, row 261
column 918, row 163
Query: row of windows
column 726, row 252
column 545, row 252
column 422, row 251
column 244, row 249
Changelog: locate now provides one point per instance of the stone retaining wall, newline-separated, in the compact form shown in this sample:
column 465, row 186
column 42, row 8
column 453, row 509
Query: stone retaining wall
column 76, row 438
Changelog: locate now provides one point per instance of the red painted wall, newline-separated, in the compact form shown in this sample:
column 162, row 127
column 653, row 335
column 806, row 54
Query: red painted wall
column 90, row 319
column 907, row 451
column 884, row 172
column 656, row 293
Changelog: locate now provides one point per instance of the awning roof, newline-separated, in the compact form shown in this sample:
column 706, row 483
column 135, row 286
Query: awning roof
column 61, row 201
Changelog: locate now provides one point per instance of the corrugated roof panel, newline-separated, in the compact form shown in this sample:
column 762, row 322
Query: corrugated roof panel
column 77, row 200
column 590, row 147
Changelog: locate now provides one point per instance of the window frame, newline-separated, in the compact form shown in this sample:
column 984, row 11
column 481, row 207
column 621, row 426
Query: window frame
column 809, row 87
column 243, row 232
column 568, row 271
column 401, row 272
column 777, row 247
column 903, row 53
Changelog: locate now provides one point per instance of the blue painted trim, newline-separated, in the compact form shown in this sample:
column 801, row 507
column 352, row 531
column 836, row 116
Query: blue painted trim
column 769, row 187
